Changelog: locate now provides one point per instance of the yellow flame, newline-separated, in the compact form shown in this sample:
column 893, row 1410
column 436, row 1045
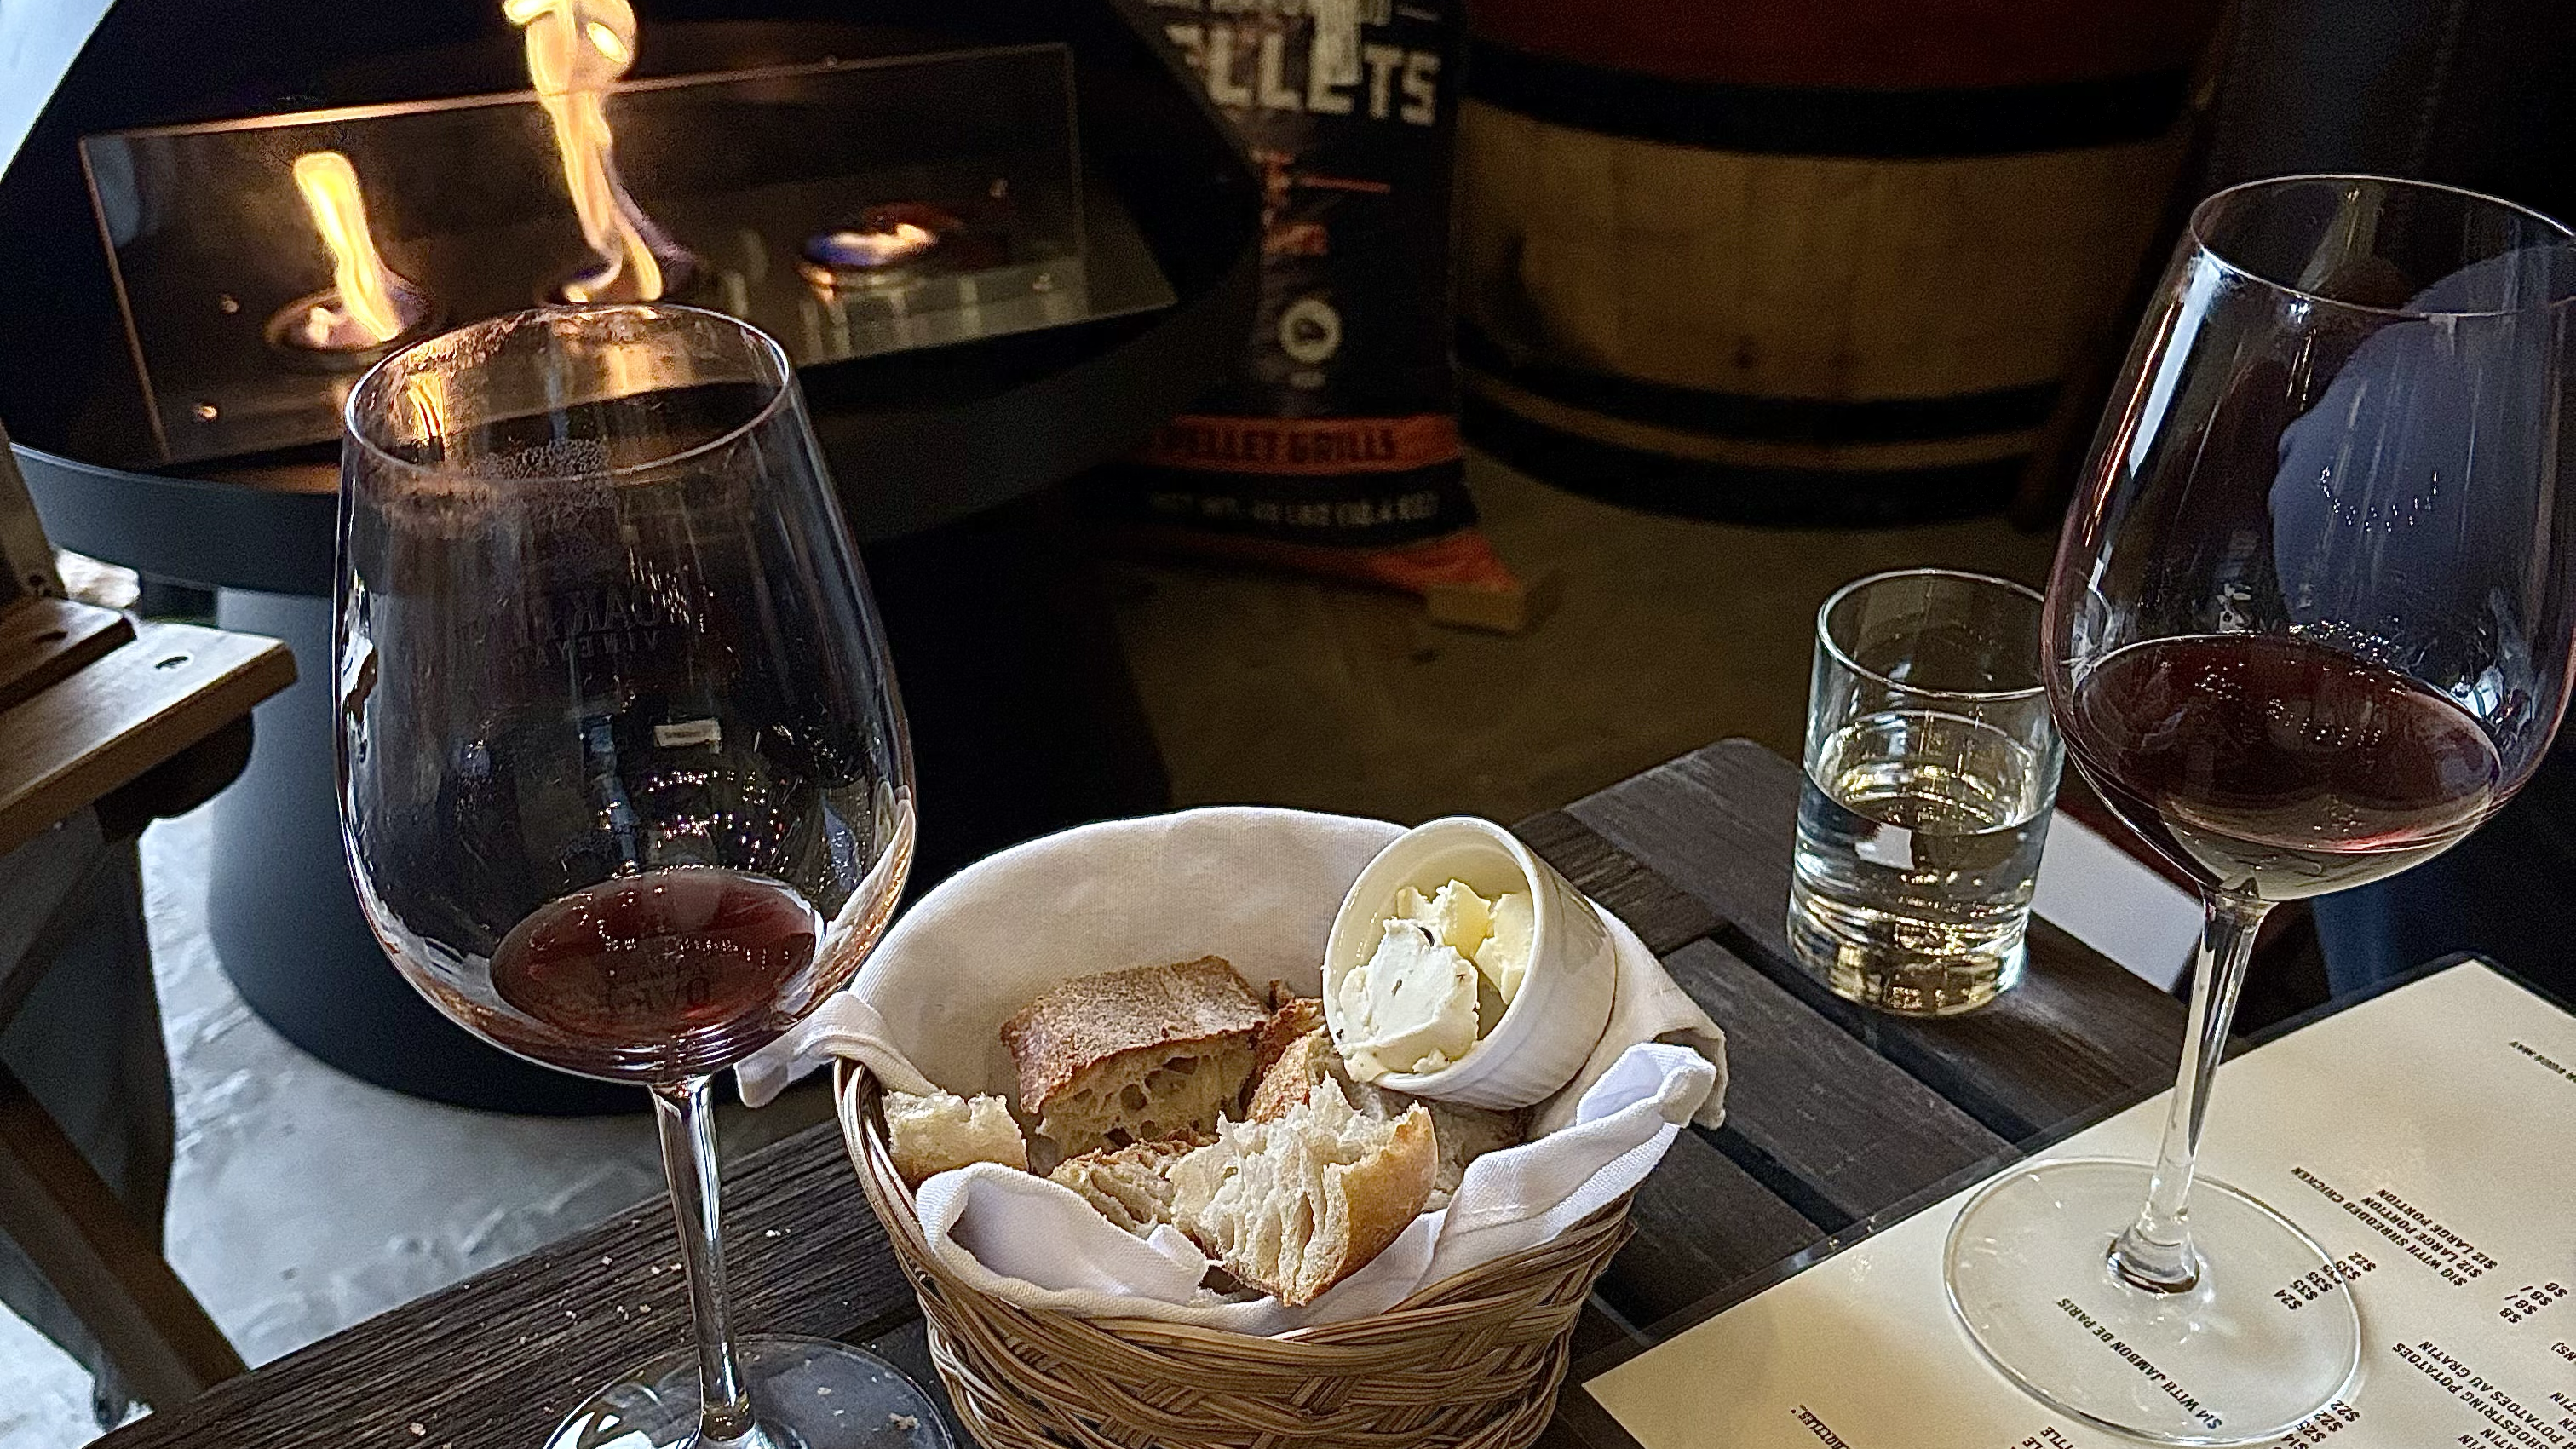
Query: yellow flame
column 576, row 50
column 425, row 394
column 619, row 48
column 366, row 303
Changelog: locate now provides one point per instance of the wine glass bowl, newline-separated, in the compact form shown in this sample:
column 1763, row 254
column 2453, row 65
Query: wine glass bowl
column 624, row 778
column 621, row 736
column 2309, row 625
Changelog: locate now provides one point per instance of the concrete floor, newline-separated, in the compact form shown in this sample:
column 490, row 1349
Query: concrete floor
column 304, row 1200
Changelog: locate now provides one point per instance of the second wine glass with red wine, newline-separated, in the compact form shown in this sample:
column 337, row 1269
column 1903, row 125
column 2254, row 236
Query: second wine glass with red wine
column 2309, row 626
column 624, row 778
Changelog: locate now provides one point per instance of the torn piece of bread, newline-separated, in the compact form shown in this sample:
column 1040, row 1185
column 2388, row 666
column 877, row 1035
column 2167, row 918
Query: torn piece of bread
column 1296, row 1204
column 1288, row 1072
column 1286, row 1057
column 1463, row 1133
column 1290, row 1017
column 930, row 1135
column 1130, row 1185
column 1285, row 1077
column 1294, row 1051
column 1134, row 1056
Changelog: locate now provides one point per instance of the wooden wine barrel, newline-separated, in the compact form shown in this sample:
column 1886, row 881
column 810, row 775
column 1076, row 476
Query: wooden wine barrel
column 1814, row 263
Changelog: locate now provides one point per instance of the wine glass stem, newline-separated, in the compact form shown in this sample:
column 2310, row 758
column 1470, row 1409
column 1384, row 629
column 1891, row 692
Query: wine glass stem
column 2156, row 1252
column 688, row 1122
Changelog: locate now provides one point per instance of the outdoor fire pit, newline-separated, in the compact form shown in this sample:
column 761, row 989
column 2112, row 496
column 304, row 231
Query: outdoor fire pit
column 221, row 219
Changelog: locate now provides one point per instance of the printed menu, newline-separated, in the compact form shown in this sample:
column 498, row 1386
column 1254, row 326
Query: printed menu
column 2426, row 1137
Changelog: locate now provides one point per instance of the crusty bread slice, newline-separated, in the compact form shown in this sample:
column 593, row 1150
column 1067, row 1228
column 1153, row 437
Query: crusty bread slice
column 1286, row 1057
column 1286, row 1073
column 1290, row 1018
column 1284, row 1076
column 930, row 1135
column 1296, row 1204
column 1137, row 1055
column 1130, row 1185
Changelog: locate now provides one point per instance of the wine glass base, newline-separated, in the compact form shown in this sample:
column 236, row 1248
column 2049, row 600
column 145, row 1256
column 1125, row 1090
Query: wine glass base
column 2224, row 1362
column 806, row 1393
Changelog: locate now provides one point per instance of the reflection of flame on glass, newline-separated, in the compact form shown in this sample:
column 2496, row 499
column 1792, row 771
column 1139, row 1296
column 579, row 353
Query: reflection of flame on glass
column 366, row 305
column 879, row 247
column 421, row 411
column 872, row 248
column 576, row 50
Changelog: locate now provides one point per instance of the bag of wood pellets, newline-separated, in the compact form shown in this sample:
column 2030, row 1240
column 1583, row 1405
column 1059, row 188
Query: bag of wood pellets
column 1333, row 448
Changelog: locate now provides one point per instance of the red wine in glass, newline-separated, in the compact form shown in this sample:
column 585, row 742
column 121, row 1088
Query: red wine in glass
column 2277, row 767
column 686, row 968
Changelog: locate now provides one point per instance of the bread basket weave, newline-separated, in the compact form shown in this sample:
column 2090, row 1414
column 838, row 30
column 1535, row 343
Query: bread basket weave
column 1473, row 1360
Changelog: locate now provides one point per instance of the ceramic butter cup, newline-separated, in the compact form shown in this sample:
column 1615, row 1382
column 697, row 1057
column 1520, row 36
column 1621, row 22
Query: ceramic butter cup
column 1563, row 1006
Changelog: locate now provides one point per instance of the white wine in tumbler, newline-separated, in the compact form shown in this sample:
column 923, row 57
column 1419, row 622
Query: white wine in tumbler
column 1930, row 772
column 1918, row 841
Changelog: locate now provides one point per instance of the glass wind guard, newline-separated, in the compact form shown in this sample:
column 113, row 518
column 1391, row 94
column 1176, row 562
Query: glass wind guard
column 849, row 209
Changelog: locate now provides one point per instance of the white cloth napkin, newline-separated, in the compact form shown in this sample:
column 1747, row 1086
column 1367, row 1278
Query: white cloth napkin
column 1260, row 888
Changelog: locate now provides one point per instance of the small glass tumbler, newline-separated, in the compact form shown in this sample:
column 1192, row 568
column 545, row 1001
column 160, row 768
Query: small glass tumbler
column 1930, row 771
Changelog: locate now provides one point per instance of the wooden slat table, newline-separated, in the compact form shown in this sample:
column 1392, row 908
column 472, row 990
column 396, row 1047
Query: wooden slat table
column 1838, row 1122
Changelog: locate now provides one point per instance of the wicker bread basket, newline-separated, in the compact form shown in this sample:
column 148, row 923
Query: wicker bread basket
column 1473, row 1360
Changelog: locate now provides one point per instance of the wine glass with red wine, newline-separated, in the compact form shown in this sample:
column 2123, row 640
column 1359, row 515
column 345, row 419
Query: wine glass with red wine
column 2309, row 626
column 623, row 775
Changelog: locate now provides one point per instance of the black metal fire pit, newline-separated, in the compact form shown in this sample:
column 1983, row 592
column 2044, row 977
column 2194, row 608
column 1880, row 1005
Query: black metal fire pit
column 918, row 440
